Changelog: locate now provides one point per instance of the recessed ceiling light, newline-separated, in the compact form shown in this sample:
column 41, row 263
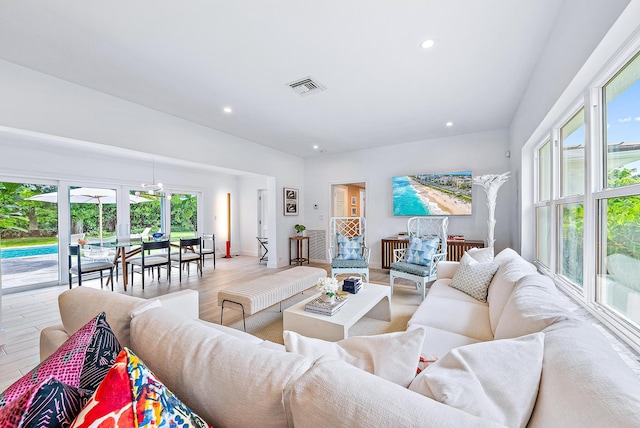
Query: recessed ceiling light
column 427, row 44
column 227, row 110
column 449, row 123
column 315, row 146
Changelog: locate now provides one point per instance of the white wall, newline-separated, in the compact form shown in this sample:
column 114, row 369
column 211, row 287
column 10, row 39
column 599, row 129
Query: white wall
column 575, row 52
column 36, row 102
column 482, row 153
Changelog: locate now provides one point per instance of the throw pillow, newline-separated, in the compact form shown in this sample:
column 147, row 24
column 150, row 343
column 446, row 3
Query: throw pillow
column 49, row 404
column 82, row 361
column 132, row 396
column 483, row 255
column 496, row 380
column 369, row 353
column 422, row 250
column 473, row 277
column 349, row 248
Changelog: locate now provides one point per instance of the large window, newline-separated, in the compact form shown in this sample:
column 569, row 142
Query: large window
column 184, row 215
column 571, row 243
column 619, row 202
column 591, row 198
column 572, row 155
column 622, row 132
column 543, row 234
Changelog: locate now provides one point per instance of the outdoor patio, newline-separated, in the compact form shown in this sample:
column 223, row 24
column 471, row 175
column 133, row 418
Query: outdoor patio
column 21, row 271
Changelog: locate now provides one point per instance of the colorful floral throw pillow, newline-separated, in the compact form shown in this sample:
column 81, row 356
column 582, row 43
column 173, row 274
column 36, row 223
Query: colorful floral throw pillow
column 82, row 361
column 49, row 404
column 132, row 396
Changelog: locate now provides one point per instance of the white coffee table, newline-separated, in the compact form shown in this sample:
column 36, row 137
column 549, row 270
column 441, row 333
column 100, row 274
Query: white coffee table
column 372, row 301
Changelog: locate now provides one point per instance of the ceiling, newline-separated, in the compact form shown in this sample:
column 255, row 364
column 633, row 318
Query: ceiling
column 191, row 59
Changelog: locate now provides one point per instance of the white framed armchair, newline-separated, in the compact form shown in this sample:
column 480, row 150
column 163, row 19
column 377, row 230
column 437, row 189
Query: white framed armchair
column 427, row 247
column 348, row 251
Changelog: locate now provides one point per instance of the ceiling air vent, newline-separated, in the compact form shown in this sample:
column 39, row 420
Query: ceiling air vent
column 306, row 86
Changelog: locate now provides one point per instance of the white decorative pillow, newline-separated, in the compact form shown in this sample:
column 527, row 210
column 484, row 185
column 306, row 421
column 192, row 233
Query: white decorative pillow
column 483, row 255
column 473, row 277
column 392, row 356
column 496, row 380
column 421, row 250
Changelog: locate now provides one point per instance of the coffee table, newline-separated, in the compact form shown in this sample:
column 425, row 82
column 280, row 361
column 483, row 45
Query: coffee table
column 371, row 301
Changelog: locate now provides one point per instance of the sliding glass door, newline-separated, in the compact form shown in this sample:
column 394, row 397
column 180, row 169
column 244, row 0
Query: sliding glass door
column 28, row 235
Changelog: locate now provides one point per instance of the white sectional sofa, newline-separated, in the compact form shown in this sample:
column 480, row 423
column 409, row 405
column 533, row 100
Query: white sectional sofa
column 234, row 379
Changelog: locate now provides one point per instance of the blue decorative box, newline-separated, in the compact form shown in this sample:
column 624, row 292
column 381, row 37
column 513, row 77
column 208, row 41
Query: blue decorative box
column 352, row 285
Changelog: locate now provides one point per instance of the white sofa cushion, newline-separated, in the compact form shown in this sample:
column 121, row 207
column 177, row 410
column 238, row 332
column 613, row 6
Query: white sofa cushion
column 457, row 316
column 496, row 380
column 502, row 286
column 80, row 304
column 438, row 342
column 226, row 380
column 533, row 305
column 335, row 394
column 474, row 277
column 392, row 356
column 483, row 255
column 584, row 381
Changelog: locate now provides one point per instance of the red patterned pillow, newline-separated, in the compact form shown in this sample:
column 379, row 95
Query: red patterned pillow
column 82, row 361
column 49, row 404
column 131, row 396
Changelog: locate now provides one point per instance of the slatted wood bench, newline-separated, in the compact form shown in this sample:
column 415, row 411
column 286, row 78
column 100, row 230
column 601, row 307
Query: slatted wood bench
column 261, row 293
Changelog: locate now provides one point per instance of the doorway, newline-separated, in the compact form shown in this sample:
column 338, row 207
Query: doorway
column 348, row 200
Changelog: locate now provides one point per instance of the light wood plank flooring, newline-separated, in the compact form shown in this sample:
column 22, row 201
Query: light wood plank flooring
column 25, row 314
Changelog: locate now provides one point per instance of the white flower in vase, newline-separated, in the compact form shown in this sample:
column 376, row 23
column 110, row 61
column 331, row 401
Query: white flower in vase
column 328, row 287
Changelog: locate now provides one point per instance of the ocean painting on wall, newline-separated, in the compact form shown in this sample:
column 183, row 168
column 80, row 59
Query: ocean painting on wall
column 446, row 193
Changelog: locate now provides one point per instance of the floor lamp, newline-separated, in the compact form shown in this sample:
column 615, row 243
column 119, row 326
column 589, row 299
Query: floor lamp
column 228, row 254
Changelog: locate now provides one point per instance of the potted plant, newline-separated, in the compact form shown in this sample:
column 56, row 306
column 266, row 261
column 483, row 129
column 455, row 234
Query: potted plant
column 299, row 228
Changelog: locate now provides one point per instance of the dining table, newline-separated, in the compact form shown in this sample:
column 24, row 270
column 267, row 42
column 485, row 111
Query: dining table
column 124, row 249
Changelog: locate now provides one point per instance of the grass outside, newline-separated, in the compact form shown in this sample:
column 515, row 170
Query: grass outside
column 27, row 242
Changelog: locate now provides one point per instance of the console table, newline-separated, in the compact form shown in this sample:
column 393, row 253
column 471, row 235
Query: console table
column 455, row 248
column 299, row 259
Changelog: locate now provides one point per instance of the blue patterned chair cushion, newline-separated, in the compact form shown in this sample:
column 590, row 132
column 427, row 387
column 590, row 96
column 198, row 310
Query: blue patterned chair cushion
column 413, row 269
column 349, row 248
column 421, row 250
column 338, row 263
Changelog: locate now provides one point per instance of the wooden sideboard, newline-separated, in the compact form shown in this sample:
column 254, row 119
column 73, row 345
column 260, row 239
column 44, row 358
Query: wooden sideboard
column 455, row 248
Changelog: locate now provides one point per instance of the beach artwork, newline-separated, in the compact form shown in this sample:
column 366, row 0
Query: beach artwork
column 447, row 193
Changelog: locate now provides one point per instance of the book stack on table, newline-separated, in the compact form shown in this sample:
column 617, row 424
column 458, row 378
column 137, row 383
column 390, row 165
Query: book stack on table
column 317, row 306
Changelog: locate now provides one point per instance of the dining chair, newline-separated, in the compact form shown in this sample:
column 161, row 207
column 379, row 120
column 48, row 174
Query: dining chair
column 205, row 250
column 79, row 269
column 148, row 260
column 190, row 252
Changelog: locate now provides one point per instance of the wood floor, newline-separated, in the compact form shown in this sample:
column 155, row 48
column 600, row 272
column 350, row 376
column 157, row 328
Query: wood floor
column 24, row 314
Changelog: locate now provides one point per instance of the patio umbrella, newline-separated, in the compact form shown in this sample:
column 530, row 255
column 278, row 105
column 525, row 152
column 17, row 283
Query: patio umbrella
column 89, row 195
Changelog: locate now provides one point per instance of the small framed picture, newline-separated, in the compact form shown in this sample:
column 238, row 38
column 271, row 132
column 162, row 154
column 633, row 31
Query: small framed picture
column 354, row 212
column 290, row 201
column 353, row 201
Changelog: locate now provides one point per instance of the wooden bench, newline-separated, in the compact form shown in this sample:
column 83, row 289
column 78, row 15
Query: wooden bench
column 261, row 293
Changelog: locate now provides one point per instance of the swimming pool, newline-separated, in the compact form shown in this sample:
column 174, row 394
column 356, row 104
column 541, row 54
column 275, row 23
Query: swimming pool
column 40, row 250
